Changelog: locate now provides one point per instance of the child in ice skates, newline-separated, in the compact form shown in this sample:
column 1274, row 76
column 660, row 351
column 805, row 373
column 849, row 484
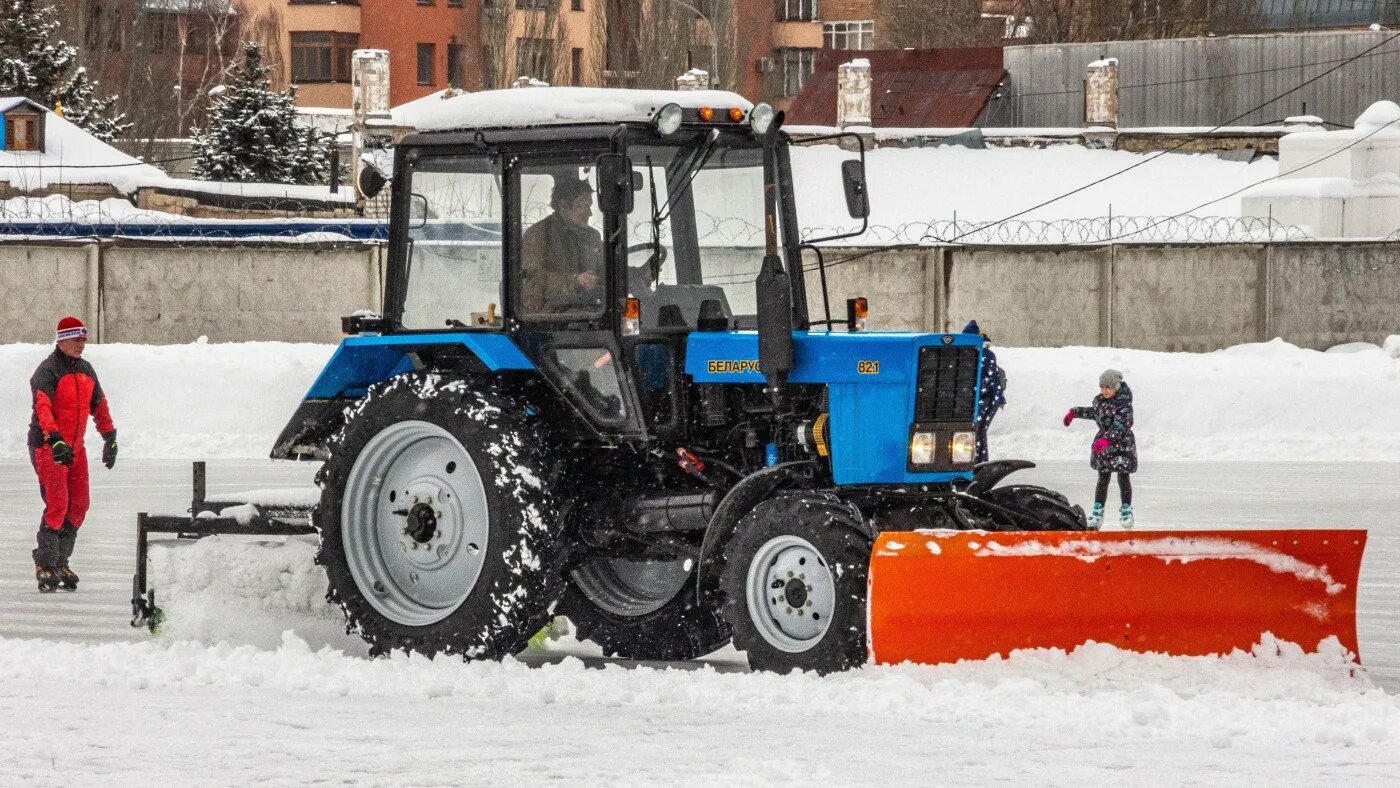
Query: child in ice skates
column 1114, row 447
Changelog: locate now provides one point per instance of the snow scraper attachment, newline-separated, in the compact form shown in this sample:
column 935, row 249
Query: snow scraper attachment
column 942, row 596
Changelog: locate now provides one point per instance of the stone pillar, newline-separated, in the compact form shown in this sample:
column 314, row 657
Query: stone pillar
column 853, row 93
column 686, row 82
column 1101, row 103
column 530, row 82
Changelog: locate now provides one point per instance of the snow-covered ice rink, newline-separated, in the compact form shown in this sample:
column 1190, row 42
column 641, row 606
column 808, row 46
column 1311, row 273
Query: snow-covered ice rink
column 87, row 699
column 254, row 680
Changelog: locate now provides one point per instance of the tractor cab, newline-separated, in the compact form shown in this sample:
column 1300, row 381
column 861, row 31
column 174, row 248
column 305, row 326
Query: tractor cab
column 597, row 245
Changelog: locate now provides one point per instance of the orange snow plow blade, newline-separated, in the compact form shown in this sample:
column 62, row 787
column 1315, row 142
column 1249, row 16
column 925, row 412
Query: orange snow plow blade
column 942, row 596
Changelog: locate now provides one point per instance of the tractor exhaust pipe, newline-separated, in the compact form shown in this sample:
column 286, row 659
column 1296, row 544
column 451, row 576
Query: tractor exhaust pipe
column 774, row 282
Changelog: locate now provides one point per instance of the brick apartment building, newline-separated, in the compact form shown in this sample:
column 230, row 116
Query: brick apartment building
column 434, row 44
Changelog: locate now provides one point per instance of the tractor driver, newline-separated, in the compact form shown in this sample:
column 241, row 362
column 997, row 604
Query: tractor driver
column 562, row 256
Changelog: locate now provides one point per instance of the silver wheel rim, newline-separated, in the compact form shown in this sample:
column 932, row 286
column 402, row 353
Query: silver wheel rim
column 791, row 593
column 631, row 588
column 414, row 523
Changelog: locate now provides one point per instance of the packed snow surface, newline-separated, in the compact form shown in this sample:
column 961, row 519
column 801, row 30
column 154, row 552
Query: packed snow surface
column 1266, row 400
column 239, row 715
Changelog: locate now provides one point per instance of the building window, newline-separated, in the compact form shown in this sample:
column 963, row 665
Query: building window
column 427, row 53
column 425, row 2
column 454, row 3
column 796, row 65
column 322, row 57
column 532, row 57
column 575, row 5
column 21, row 132
column 159, row 32
column 576, row 67
column 798, row 10
column 849, row 35
column 536, row 5
column 456, row 65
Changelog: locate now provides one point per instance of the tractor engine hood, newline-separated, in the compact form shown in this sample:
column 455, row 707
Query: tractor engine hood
column 872, row 380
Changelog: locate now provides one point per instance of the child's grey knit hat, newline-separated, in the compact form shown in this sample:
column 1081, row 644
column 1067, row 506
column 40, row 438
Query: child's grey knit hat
column 1111, row 378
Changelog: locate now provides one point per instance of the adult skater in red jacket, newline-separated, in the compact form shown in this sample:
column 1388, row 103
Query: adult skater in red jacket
column 66, row 392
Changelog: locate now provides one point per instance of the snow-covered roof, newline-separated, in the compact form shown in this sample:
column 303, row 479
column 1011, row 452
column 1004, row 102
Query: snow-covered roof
column 73, row 156
column 8, row 103
column 518, row 107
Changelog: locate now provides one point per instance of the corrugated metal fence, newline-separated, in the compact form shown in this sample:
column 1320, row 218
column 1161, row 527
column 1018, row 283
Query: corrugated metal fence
column 1203, row 81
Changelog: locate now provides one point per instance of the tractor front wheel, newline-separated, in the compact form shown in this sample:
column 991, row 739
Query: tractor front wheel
column 794, row 584
column 438, row 532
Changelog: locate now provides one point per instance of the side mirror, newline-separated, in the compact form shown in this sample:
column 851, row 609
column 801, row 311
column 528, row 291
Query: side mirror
column 614, row 183
column 853, row 179
column 370, row 181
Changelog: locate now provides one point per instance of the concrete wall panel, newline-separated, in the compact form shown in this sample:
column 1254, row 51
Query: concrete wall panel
column 1028, row 297
column 40, row 284
column 1186, row 298
column 286, row 293
column 892, row 281
column 1325, row 294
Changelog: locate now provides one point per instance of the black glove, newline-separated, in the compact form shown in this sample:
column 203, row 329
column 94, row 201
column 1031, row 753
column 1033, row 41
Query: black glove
column 109, row 449
column 62, row 452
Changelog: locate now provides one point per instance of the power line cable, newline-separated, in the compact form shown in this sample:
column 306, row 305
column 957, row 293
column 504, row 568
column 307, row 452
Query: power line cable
column 1195, row 208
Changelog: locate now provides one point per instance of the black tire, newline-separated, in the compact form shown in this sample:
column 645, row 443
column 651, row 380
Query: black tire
column 1048, row 509
column 834, row 531
column 608, row 607
column 519, row 574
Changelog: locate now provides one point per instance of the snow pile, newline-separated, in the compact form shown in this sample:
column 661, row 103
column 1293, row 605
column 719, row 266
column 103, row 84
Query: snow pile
column 243, row 591
column 916, row 186
column 196, row 401
column 1263, row 401
column 538, row 106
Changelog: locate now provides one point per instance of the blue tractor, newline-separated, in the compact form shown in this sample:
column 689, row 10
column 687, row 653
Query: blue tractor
column 596, row 391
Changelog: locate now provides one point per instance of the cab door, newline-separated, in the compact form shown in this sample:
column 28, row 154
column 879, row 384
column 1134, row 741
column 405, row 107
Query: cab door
column 564, row 297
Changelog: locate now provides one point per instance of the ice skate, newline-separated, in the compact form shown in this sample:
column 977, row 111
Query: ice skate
column 68, row 578
column 1096, row 517
column 1125, row 517
column 47, row 578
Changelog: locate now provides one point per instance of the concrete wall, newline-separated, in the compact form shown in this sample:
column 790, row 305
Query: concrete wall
column 1153, row 297
column 1156, row 297
column 159, row 293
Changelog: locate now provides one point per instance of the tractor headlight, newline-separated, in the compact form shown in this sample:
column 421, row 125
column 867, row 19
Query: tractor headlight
column 668, row 119
column 760, row 118
column 963, row 447
column 921, row 448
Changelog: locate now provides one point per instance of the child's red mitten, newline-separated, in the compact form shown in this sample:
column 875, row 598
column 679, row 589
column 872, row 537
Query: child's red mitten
column 1100, row 444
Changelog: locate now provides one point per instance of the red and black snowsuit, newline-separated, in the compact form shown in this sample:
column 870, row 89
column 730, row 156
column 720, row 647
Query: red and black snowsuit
column 65, row 393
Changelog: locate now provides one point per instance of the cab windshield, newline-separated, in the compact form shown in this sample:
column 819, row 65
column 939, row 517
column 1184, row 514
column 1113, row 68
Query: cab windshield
column 695, row 233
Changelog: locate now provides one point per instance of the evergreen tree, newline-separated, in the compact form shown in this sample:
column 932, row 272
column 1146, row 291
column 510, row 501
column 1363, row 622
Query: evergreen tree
column 35, row 63
column 253, row 136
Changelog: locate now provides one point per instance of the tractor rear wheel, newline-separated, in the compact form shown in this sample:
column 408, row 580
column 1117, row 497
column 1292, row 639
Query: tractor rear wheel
column 438, row 533
column 794, row 584
column 642, row 609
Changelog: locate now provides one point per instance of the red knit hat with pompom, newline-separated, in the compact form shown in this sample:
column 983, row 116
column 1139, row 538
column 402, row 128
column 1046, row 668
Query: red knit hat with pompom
column 70, row 328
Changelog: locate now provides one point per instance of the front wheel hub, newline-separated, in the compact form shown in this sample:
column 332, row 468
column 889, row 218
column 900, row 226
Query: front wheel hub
column 791, row 593
column 422, row 523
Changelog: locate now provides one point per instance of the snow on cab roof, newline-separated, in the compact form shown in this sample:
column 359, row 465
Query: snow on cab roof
column 518, row 107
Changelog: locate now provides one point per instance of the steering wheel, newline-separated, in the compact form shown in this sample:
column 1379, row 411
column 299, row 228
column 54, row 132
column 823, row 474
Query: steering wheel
column 651, row 268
